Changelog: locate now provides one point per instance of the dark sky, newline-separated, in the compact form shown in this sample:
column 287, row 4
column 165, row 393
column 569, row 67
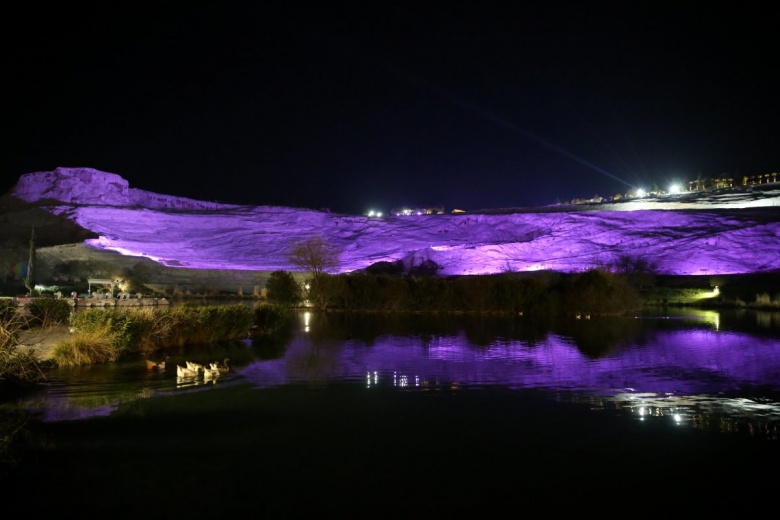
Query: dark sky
column 351, row 106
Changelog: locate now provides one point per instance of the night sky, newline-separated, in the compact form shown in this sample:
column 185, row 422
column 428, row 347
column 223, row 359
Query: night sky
column 352, row 106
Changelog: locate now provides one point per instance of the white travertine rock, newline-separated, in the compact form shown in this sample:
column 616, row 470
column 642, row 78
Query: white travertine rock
column 727, row 232
column 73, row 186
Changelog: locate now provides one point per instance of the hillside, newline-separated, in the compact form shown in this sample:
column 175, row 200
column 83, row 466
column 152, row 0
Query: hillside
column 83, row 214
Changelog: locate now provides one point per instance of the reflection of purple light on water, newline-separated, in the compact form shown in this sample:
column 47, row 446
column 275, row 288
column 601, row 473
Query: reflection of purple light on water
column 61, row 410
column 678, row 376
column 670, row 362
column 695, row 364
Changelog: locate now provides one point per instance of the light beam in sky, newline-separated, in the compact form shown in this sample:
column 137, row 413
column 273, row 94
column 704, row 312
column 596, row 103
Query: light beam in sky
column 491, row 116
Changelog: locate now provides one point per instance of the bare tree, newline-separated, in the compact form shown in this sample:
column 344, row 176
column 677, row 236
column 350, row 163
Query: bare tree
column 317, row 256
column 314, row 254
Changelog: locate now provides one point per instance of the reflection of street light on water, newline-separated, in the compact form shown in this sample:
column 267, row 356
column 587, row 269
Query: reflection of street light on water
column 306, row 317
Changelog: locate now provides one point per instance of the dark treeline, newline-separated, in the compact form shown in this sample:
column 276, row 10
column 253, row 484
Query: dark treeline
column 596, row 292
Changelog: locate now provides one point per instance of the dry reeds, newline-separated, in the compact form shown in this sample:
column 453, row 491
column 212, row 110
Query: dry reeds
column 15, row 366
column 86, row 347
column 19, row 367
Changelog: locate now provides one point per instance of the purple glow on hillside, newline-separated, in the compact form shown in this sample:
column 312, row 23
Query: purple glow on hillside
column 180, row 232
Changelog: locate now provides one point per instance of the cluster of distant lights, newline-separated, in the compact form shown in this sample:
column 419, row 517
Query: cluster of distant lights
column 673, row 190
column 400, row 380
column 403, row 213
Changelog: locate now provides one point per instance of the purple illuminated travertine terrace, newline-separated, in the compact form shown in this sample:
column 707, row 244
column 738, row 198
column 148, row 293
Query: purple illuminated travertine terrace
column 731, row 232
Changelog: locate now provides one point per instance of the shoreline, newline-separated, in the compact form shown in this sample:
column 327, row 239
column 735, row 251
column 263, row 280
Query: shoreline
column 42, row 341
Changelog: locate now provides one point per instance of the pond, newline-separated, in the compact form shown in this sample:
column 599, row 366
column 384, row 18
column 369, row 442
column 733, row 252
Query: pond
column 397, row 416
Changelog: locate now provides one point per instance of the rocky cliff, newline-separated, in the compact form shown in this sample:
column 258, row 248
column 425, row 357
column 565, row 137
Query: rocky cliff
column 84, row 213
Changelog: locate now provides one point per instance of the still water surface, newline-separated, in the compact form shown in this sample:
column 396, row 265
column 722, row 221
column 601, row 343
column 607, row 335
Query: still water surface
column 418, row 416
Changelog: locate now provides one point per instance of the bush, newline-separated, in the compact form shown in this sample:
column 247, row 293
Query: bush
column 227, row 322
column 16, row 367
column 190, row 325
column 426, row 268
column 48, row 312
column 597, row 291
column 283, row 288
column 270, row 319
column 386, row 268
column 95, row 345
column 329, row 291
column 144, row 331
column 472, row 293
column 131, row 331
column 99, row 325
column 8, row 308
column 19, row 368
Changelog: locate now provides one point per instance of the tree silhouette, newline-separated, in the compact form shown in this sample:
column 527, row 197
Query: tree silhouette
column 283, row 288
column 29, row 282
column 317, row 256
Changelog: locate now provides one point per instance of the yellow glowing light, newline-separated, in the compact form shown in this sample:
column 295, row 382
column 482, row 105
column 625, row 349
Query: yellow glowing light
column 703, row 295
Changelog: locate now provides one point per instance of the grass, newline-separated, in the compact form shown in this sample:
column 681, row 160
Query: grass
column 756, row 291
column 87, row 347
column 16, row 366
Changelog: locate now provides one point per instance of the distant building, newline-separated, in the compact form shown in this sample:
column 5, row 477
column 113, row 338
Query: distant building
column 110, row 283
column 764, row 178
column 407, row 211
column 593, row 200
column 712, row 183
column 725, row 182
